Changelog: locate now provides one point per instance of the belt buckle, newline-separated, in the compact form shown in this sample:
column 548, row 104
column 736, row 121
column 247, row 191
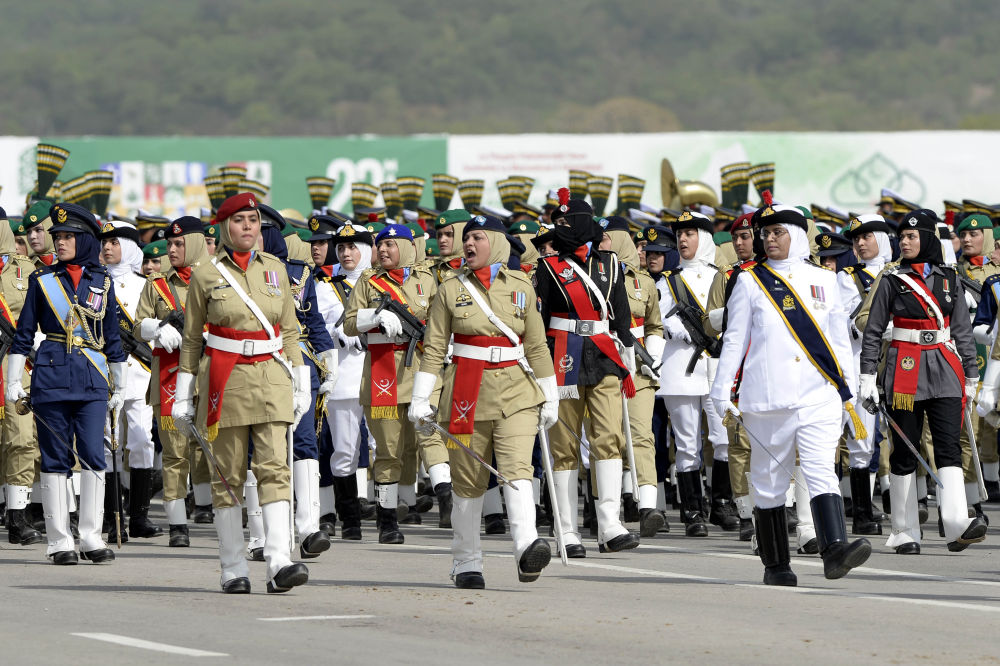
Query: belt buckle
column 927, row 337
column 248, row 348
column 77, row 341
column 585, row 327
column 495, row 354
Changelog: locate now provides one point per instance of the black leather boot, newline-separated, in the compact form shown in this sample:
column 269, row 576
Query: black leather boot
column 139, row 524
column 388, row 527
column 723, row 511
column 772, row 542
column 111, row 485
column 864, row 519
column 19, row 530
column 689, row 484
column 650, row 522
column 179, row 536
column 345, row 488
column 630, row 507
column 443, row 493
column 838, row 555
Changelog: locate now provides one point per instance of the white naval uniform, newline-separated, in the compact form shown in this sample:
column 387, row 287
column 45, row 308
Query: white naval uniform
column 785, row 402
column 859, row 450
column 136, row 414
column 686, row 396
column 344, row 408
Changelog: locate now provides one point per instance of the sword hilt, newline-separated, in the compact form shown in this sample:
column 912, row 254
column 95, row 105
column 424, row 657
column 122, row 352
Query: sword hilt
column 870, row 406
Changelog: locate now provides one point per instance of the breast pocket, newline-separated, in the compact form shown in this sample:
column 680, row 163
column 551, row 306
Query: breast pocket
column 219, row 306
column 49, row 370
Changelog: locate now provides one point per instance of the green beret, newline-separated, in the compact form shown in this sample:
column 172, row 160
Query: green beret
column 416, row 230
column 374, row 227
column 453, row 216
column 288, row 230
column 155, row 250
column 212, row 231
column 721, row 237
column 17, row 226
column 524, row 227
column 304, row 234
column 431, row 248
column 37, row 214
column 975, row 221
column 806, row 213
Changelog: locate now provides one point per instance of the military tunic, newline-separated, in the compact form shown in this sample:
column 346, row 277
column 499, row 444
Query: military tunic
column 18, row 450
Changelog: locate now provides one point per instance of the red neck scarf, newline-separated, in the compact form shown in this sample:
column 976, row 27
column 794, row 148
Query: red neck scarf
column 185, row 273
column 242, row 259
column 485, row 275
column 327, row 270
column 75, row 272
column 455, row 263
column 47, row 259
column 581, row 253
column 977, row 261
column 398, row 275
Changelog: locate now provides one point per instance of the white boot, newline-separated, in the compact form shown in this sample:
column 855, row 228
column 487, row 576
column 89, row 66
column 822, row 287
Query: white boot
column 202, row 494
column 805, row 531
column 466, row 553
column 56, row 506
column 661, row 497
column 176, row 512
column 17, row 497
column 255, row 519
column 609, row 500
column 277, row 544
column 229, row 528
column 647, row 497
column 327, row 501
column 306, row 484
column 971, row 493
column 531, row 554
column 904, row 519
column 744, row 507
column 952, row 502
column 567, row 492
column 72, row 493
column 492, row 502
column 91, row 511
column 438, row 474
column 536, row 490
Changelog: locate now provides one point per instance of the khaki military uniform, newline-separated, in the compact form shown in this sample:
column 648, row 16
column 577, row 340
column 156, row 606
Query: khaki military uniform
column 506, row 411
column 986, row 435
column 180, row 454
column 247, row 411
column 18, row 447
column 393, row 432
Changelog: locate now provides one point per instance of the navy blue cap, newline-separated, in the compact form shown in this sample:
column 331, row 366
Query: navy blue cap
column 270, row 217
column 393, row 231
column 924, row 219
column 323, row 227
column 74, row 219
column 614, row 223
column 484, row 222
column 832, row 245
column 188, row 224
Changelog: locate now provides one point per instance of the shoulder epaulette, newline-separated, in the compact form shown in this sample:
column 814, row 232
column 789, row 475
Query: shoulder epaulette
column 849, row 270
column 367, row 273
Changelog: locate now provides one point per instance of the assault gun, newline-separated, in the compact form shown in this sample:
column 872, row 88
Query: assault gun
column 690, row 317
column 133, row 346
column 973, row 286
column 7, row 332
column 412, row 327
column 644, row 356
column 175, row 319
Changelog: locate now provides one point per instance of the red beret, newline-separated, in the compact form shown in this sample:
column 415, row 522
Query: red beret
column 742, row 222
column 236, row 203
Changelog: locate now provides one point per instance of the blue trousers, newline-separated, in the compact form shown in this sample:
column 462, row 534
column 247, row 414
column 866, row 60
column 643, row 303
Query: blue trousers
column 79, row 419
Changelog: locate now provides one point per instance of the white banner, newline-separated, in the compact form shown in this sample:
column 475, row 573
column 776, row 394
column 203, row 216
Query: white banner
column 17, row 171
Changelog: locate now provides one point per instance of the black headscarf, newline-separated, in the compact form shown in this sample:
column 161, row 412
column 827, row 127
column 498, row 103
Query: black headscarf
column 925, row 222
column 580, row 228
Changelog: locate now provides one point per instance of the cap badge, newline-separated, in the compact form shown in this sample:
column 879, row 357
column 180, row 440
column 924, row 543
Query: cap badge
column 33, row 218
column 61, row 215
column 855, row 223
column 767, row 211
column 564, row 208
column 604, row 223
column 347, row 230
column 651, row 234
column 392, row 232
column 479, row 219
column 441, row 220
column 314, row 224
column 176, row 229
column 685, row 216
column 108, row 227
column 825, row 241
column 253, row 204
column 912, row 221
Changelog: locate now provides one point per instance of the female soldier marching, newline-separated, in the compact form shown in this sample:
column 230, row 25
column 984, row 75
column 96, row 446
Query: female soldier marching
column 81, row 358
column 244, row 298
column 489, row 400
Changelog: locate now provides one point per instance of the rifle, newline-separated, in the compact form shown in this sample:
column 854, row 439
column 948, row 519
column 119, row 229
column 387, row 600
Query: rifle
column 644, row 356
column 7, row 332
column 133, row 346
column 690, row 317
column 175, row 319
column 413, row 328
column 973, row 286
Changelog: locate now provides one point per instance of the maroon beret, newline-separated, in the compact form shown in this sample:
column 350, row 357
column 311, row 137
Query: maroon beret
column 236, row 203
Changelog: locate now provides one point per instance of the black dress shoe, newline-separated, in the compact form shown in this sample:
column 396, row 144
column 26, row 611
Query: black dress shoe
column 288, row 577
column 257, row 554
column 723, row 514
column 423, row 504
column 780, row 574
column 840, row 557
column 746, row 529
column 98, row 555
column 575, row 551
column 351, row 533
column 666, row 526
column 922, row 512
column 65, row 557
column 237, row 586
column 535, row 558
column 974, row 533
column 179, row 536
column 865, row 527
column 368, row 509
column 809, row 547
column 650, row 522
column 494, row 524
column 470, row 580
column 626, row 541
column 631, row 508
column 314, row 544
column 328, row 523
column 202, row 515
column 113, row 536
column 696, row 528
column 142, row 527
column 908, row 548
column 412, row 517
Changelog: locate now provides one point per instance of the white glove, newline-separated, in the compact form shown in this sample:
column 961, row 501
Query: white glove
column 147, row 329
column 420, row 411
column 366, row 320
column 675, row 329
column 183, row 409
column 330, row 360
column 301, row 393
column 982, row 335
column 654, row 345
column 549, row 413
column 390, row 323
column 715, row 318
column 971, row 386
column 14, row 391
column 628, row 357
column 988, row 393
column 723, row 407
column 117, row 398
column 867, row 389
column 168, row 338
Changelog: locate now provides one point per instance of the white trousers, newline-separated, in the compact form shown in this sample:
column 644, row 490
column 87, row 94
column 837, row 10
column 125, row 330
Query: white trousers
column 813, row 430
column 859, row 451
column 136, row 436
column 685, row 419
column 344, row 417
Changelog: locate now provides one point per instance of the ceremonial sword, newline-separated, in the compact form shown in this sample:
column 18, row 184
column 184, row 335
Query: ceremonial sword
column 23, row 407
column 967, row 415
column 192, row 431
column 431, row 423
column 114, row 471
column 877, row 407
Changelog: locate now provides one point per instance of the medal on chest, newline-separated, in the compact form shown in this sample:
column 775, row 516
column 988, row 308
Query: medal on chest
column 818, row 295
column 272, row 284
column 600, row 271
column 638, row 289
column 95, row 298
column 519, row 300
column 20, row 277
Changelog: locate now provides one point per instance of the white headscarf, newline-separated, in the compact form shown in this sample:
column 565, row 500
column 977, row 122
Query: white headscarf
column 131, row 261
column 364, row 261
column 884, row 250
column 705, row 253
column 798, row 249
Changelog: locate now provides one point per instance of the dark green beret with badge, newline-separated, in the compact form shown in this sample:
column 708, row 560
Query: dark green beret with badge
column 525, row 227
column 975, row 221
column 155, row 250
column 38, row 213
column 454, row 216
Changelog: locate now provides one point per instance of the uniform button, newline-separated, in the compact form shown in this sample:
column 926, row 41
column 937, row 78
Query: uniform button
column 465, row 315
